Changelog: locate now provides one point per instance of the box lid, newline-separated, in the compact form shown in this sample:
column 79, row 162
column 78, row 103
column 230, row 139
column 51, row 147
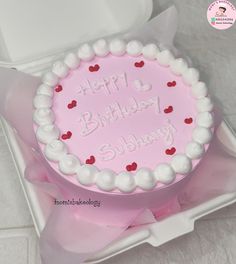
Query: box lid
column 31, row 29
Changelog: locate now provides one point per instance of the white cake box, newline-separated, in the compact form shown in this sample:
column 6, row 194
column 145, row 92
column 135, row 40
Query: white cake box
column 34, row 52
column 31, row 31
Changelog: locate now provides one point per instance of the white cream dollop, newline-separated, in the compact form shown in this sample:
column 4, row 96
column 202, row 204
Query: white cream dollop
column 117, row 47
column 164, row 173
column 134, row 48
column 199, row 90
column 46, row 133
column 179, row 66
column 181, row 164
column 60, row 69
column 43, row 116
column 150, row 51
column 44, row 89
column 165, row 57
column 191, row 76
column 205, row 119
column 86, row 174
column 86, row 52
column 194, row 150
column 202, row 135
column 144, row 179
column 125, row 182
column 72, row 61
column 55, row 150
column 105, row 180
column 101, row 48
column 42, row 101
column 50, row 79
column 68, row 164
column 204, row 104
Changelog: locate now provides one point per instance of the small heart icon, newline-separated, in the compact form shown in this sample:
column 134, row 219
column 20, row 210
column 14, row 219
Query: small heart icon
column 188, row 120
column 67, row 135
column 91, row 160
column 142, row 87
column 58, row 88
column 169, row 109
column 94, row 68
column 72, row 104
column 170, row 151
column 171, row 84
column 139, row 64
column 131, row 167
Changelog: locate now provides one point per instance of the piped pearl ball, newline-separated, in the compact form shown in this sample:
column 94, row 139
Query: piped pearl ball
column 205, row 119
column 101, row 48
column 134, row 48
column 194, row 150
column 46, row 133
column 204, row 104
column 55, row 150
column 86, row 174
column 164, row 173
column 150, row 51
column 42, row 101
column 43, row 116
column 68, row 164
column 44, row 89
column 178, row 66
column 144, row 179
column 181, row 164
column 50, row 79
column 72, row 61
column 106, row 180
column 165, row 57
column 191, row 76
column 117, row 47
column 60, row 69
column 202, row 135
column 125, row 182
column 86, row 52
column 199, row 90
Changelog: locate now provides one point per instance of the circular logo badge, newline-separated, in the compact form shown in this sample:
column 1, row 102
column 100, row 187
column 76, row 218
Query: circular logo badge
column 221, row 14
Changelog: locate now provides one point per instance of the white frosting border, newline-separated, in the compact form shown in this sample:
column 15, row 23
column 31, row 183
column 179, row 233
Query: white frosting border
column 106, row 180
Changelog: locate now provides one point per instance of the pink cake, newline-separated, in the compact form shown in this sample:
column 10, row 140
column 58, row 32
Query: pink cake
column 119, row 120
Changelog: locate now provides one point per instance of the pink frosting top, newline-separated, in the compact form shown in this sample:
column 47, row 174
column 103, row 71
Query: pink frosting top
column 125, row 110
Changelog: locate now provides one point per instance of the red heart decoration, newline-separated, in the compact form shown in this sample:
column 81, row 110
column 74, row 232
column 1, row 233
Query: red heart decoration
column 67, row 135
column 139, row 64
column 58, row 88
column 169, row 109
column 94, row 68
column 91, row 160
column 188, row 120
column 131, row 167
column 171, row 84
column 72, row 104
column 170, row 151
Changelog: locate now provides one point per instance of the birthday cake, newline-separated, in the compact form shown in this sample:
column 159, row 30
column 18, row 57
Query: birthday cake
column 122, row 118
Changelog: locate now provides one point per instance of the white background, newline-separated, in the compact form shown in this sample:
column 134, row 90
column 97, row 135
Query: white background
column 214, row 238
